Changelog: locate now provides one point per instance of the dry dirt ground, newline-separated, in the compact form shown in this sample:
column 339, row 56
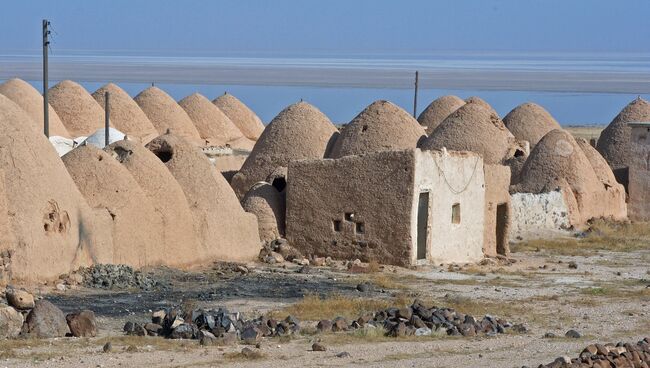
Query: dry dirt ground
column 606, row 298
column 585, row 131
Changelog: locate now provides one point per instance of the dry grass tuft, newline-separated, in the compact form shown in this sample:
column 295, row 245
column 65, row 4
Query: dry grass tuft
column 248, row 355
column 601, row 235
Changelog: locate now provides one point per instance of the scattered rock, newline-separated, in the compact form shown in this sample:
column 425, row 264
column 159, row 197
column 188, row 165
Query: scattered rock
column 45, row 320
column 116, row 276
column 318, row 347
column 608, row 355
column 549, row 335
column 339, row 324
column 82, row 324
column 19, row 299
column 108, row 347
column 573, row 265
column 363, row 287
column 343, row 354
column 573, row 334
column 324, row 325
column 11, row 323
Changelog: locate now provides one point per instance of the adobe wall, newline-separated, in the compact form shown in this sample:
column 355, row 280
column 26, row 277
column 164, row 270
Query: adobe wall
column 450, row 178
column 639, row 174
column 375, row 188
column 536, row 215
column 497, row 184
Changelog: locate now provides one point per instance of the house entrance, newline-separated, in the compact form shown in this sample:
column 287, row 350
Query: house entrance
column 423, row 221
column 502, row 221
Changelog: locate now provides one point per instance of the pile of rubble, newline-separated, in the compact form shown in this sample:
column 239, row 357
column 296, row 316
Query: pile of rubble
column 419, row 320
column 116, row 276
column 211, row 326
column 608, row 356
column 27, row 317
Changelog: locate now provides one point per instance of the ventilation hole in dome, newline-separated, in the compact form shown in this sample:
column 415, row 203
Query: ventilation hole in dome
column 279, row 183
column 364, row 128
column 519, row 153
column 164, row 155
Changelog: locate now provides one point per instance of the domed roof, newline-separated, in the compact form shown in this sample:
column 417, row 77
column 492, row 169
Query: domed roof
column 382, row 126
column 264, row 201
column 213, row 125
column 558, row 156
column 30, row 100
column 164, row 113
column 167, row 198
column 80, row 113
column 300, row 131
column 125, row 115
column 243, row 117
column 53, row 229
column 480, row 101
column 530, row 122
column 614, row 141
column 224, row 230
column 598, row 163
column 438, row 110
column 105, row 184
column 472, row 128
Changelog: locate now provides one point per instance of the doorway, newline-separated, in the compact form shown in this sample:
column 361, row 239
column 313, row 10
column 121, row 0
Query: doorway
column 423, row 222
column 502, row 228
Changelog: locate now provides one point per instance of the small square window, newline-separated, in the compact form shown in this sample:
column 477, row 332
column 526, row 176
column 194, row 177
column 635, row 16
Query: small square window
column 360, row 228
column 455, row 213
column 349, row 216
column 337, row 225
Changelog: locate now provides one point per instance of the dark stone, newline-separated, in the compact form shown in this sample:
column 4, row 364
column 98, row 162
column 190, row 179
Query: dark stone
column 82, row 324
column 45, row 320
column 108, row 347
column 324, row 325
column 250, row 334
column 343, row 354
column 128, row 327
column 363, row 287
column 184, row 331
column 339, row 324
column 573, row 334
column 405, row 313
column 153, row 329
column 318, row 347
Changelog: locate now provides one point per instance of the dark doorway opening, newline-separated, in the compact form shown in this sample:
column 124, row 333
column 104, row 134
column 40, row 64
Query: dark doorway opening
column 423, row 222
column 279, row 183
column 502, row 228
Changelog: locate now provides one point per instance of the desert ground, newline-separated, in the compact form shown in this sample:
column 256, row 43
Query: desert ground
column 596, row 282
column 587, row 132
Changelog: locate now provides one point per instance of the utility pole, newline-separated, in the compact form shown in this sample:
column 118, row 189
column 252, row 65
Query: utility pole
column 107, row 115
column 415, row 98
column 46, row 104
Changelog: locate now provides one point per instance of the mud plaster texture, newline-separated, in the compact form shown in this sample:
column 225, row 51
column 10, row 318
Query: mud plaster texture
column 168, row 200
column 51, row 229
column 31, row 101
column 530, row 122
column 300, row 131
column 165, row 114
column 136, row 227
column 125, row 115
column 438, row 110
column 372, row 213
column 382, row 126
column 80, row 113
column 534, row 214
column 244, row 118
column 225, row 231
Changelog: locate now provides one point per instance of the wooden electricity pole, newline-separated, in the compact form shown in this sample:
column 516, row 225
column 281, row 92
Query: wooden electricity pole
column 415, row 97
column 107, row 116
column 46, row 104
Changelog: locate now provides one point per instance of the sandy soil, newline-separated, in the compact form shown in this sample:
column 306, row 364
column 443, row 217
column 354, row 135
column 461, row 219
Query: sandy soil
column 606, row 299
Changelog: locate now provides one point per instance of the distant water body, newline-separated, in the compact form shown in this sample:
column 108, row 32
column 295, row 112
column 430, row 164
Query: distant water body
column 576, row 88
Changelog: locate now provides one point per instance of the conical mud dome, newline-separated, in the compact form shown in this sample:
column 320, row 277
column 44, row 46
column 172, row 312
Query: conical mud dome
column 31, row 101
column 224, row 230
column 179, row 242
column 52, row 228
column 80, row 113
column 382, row 126
column 300, row 131
column 438, row 110
column 106, row 185
column 530, row 122
column 164, row 113
column 243, row 117
column 268, row 205
column 212, row 124
column 125, row 115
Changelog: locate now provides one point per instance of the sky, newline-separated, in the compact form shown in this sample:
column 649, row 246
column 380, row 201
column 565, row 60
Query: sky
column 582, row 59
